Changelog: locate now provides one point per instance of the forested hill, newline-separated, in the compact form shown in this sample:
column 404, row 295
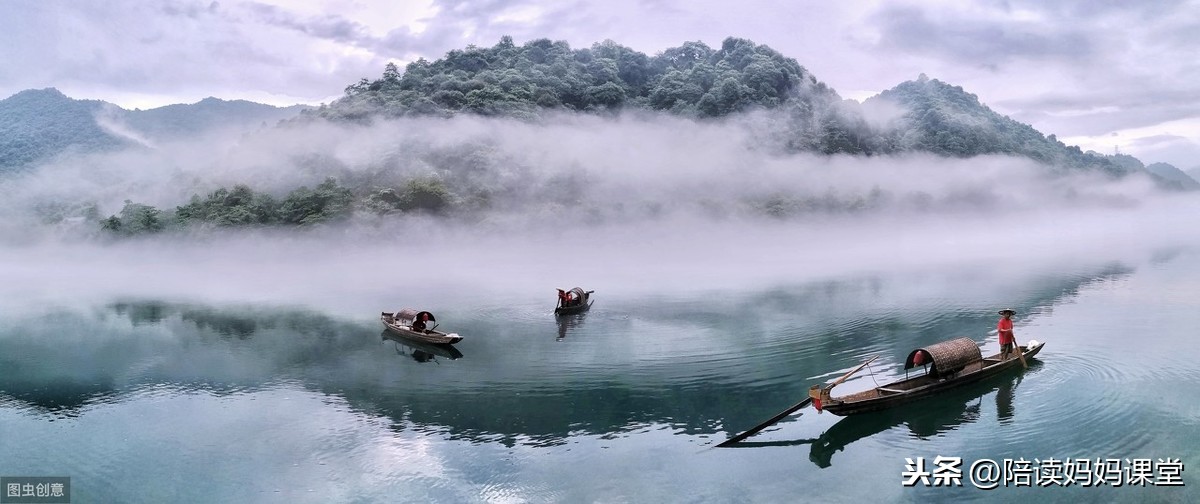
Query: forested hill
column 946, row 120
column 507, row 79
column 696, row 80
column 37, row 124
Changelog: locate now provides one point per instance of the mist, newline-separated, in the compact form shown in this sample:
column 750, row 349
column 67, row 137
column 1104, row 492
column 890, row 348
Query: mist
column 636, row 203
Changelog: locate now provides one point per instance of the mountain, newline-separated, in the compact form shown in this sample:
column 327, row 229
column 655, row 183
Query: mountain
column 36, row 125
column 695, row 80
column 1193, row 172
column 946, row 120
column 523, row 81
column 1170, row 172
column 208, row 114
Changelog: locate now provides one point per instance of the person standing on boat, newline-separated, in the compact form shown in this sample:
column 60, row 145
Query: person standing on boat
column 1005, row 329
column 420, row 322
column 564, row 298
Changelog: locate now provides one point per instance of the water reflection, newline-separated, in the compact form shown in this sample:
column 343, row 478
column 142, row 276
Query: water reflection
column 568, row 323
column 1004, row 399
column 421, row 351
column 664, row 361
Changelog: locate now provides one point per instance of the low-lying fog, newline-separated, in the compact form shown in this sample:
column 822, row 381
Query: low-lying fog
column 635, row 204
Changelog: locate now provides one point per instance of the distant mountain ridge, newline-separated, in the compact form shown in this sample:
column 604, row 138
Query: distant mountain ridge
column 1170, row 172
column 695, row 80
column 37, row 124
column 946, row 120
column 209, row 113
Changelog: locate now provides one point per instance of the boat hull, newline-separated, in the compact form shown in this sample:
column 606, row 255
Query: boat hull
column 439, row 349
column 914, row 389
column 574, row 310
column 426, row 336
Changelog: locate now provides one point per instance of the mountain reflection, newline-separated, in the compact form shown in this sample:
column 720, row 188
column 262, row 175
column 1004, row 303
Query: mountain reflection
column 695, row 367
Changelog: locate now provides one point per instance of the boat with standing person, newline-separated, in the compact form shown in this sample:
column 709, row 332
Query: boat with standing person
column 573, row 301
column 946, row 365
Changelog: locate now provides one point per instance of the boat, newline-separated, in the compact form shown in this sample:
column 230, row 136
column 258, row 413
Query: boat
column 579, row 301
column 954, row 409
column 419, row 347
column 410, row 323
column 947, row 365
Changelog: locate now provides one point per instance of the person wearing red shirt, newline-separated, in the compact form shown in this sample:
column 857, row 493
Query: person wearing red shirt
column 1005, row 329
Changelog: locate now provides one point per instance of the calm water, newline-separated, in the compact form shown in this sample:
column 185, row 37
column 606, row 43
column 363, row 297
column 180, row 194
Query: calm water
column 156, row 400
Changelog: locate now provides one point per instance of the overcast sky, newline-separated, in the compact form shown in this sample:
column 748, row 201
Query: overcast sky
column 1101, row 74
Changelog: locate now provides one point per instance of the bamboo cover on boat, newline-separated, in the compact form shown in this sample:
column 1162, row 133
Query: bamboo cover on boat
column 409, row 315
column 947, row 356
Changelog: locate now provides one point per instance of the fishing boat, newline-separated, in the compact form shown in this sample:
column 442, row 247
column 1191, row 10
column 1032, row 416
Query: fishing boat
column 411, row 323
column 947, row 365
column 419, row 347
column 576, row 301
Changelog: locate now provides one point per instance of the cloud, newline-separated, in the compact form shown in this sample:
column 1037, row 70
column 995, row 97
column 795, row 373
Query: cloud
column 190, row 49
column 622, row 192
column 330, row 26
column 982, row 41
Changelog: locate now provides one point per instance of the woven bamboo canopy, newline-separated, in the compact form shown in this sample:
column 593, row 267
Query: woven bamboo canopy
column 947, row 356
column 409, row 315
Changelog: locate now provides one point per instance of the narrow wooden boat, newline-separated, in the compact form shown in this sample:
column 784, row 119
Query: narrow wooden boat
column 411, row 323
column 439, row 349
column 580, row 302
column 947, row 365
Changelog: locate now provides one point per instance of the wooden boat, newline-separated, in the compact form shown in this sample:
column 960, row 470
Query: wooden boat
column 438, row 349
column 410, row 323
column 948, row 364
column 580, row 302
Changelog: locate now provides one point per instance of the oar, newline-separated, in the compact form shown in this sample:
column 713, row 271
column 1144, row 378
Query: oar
column 766, row 424
column 790, row 410
column 1019, row 352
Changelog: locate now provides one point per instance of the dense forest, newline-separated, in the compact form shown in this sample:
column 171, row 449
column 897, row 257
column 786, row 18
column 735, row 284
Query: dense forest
column 541, row 76
column 695, row 80
column 242, row 206
column 692, row 79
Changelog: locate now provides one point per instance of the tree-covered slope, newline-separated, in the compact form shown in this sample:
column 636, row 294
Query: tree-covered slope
column 949, row 121
column 36, row 125
column 1170, row 172
column 39, row 123
column 506, row 79
column 695, row 80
